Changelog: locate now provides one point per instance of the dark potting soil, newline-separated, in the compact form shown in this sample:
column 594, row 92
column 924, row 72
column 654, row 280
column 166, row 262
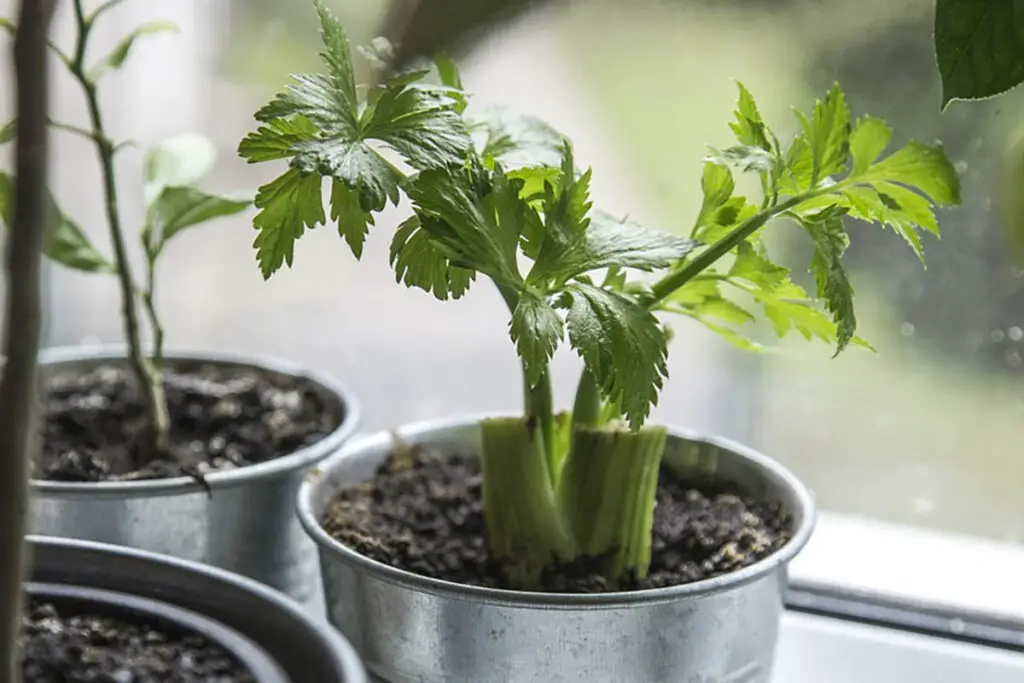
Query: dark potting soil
column 222, row 417
column 68, row 647
column 422, row 512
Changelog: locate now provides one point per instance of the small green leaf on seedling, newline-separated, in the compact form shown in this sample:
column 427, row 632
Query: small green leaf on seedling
column 8, row 131
column 116, row 58
column 64, row 242
column 178, row 208
column 180, row 161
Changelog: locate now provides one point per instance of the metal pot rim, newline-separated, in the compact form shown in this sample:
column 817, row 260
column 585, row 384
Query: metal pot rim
column 216, row 480
column 140, row 564
column 537, row 600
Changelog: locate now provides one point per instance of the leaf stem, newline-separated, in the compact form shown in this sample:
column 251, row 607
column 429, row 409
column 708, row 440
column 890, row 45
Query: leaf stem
column 586, row 408
column 157, row 420
column 22, row 329
column 538, row 399
column 672, row 282
column 149, row 300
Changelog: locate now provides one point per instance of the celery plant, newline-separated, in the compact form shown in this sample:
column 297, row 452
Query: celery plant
column 492, row 191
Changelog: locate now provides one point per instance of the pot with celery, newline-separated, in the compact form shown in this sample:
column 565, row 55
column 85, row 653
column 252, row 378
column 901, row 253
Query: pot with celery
column 192, row 454
column 579, row 545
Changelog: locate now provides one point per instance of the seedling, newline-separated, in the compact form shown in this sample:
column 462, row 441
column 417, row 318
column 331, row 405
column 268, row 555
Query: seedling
column 499, row 195
column 173, row 203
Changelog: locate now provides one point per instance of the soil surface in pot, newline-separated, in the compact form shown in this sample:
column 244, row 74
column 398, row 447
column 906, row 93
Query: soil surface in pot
column 69, row 647
column 422, row 512
column 222, row 417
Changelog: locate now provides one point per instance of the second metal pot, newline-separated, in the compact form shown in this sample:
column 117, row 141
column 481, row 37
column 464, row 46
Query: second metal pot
column 409, row 628
column 247, row 524
column 264, row 629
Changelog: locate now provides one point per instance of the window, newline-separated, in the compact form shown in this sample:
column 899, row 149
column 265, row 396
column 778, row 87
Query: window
column 913, row 453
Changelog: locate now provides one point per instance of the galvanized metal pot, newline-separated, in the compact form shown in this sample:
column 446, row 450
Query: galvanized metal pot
column 410, row 628
column 246, row 525
column 279, row 641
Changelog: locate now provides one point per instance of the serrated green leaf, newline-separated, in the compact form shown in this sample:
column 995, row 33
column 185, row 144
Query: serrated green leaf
column 729, row 334
column 352, row 221
column 978, row 48
column 717, row 185
column 830, row 243
column 894, row 206
column 725, row 310
column 799, row 168
column 920, row 166
column 320, row 126
column 869, row 139
column 178, row 208
column 534, row 179
column 419, row 263
column 276, row 139
column 65, row 242
column 724, row 219
column 448, row 72
column 757, row 270
column 476, row 232
column 745, row 158
column 576, row 242
column 610, row 241
column 8, row 131
column 622, row 344
column 536, row 328
column 749, row 128
column 116, row 57
column 180, row 161
column 515, row 140
column 790, row 309
column 287, row 206
column 827, row 133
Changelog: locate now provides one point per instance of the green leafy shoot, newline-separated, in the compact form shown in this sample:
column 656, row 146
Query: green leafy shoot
column 326, row 130
column 481, row 221
column 833, row 169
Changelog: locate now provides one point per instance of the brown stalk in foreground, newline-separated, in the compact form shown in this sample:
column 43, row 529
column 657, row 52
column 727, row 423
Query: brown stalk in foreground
column 18, row 388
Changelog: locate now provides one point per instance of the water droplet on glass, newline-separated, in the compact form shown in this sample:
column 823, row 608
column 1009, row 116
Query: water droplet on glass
column 986, row 204
column 961, row 167
column 1016, row 334
column 957, row 626
column 997, row 335
column 1013, row 359
column 907, row 329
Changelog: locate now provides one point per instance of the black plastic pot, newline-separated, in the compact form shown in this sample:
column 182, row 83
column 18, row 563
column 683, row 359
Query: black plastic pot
column 268, row 632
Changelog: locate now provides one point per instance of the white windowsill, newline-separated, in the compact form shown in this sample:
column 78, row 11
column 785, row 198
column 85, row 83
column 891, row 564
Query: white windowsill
column 821, row 650
column 918, row 565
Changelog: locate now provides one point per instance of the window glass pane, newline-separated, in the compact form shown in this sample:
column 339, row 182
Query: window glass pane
column 924, row 432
